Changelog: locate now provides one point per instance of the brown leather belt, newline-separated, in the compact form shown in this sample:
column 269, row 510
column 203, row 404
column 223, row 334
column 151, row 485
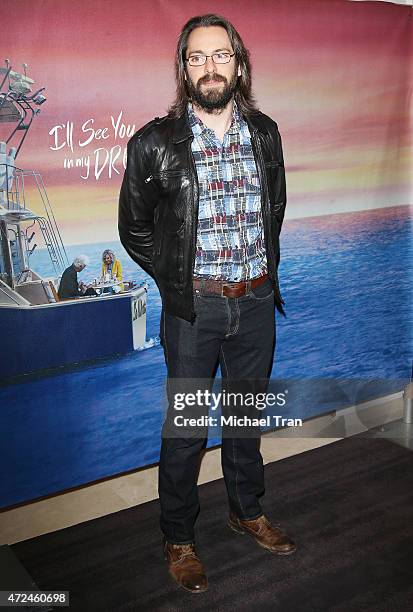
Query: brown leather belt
column 225, row 289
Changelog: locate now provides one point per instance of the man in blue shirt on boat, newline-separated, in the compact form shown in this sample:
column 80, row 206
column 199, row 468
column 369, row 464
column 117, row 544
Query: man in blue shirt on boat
column 200, row 210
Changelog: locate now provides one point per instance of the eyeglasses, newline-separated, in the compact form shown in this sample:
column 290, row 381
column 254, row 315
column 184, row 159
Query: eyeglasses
column 217, row 58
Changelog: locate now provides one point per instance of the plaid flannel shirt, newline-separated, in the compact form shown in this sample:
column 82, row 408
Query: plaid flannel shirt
column 230, row 235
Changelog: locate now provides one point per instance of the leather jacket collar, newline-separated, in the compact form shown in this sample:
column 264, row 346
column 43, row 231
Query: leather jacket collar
column 182, row 130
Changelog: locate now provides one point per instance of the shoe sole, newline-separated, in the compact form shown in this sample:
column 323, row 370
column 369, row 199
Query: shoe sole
column 239, row 531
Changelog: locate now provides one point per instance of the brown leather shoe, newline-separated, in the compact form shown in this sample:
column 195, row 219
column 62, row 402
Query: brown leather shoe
column 267, row 536
column 185, row 567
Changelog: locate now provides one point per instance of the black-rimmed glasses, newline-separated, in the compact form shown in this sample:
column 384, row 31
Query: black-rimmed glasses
column 217, row 58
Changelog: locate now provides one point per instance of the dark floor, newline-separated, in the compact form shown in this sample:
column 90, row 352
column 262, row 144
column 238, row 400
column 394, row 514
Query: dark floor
column 349, row 506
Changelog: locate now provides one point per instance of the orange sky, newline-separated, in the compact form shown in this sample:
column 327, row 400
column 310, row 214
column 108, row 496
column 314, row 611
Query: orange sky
column 334, row 75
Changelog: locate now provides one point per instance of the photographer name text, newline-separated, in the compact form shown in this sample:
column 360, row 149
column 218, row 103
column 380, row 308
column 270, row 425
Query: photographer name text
column 274, row 420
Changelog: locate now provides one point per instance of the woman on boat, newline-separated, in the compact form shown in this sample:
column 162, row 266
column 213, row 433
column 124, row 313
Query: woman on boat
column 111, row 266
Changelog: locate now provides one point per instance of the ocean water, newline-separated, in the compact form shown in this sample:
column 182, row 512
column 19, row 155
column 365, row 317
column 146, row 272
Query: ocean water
column 347, row 283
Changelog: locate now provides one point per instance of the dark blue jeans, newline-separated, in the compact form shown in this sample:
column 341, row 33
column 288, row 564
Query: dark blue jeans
column 239, row 333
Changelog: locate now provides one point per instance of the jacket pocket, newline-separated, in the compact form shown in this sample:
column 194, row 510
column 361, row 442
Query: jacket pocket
column 173, row 187
column 168, row 263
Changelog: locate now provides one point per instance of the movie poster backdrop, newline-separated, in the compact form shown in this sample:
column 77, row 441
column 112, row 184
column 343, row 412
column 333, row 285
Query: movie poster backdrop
column 336, row 76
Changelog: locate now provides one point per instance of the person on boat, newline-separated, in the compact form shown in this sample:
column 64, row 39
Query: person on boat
column 111, row 266
column 69, row 286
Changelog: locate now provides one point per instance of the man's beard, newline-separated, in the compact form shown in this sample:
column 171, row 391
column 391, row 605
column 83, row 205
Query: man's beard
column 214, row 99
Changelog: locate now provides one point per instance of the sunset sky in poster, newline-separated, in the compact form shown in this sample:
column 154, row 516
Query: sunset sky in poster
column 335, row 76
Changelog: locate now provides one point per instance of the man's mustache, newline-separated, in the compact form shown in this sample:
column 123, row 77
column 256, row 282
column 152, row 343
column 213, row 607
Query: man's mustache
column 211, row 77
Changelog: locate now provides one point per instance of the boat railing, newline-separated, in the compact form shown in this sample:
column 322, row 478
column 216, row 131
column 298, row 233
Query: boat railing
column 18, row 104
column 54, row 245
column 14, row 183
column 12, row 197
column 51, row 227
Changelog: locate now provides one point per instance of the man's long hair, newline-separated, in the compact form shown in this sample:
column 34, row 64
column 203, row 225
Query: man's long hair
column 243, row 94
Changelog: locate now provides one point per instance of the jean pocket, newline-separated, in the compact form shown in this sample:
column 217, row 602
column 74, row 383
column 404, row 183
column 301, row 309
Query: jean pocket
column 262, row 292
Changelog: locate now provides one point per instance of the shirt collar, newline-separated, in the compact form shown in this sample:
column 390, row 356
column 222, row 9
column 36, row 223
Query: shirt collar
column 199, row 128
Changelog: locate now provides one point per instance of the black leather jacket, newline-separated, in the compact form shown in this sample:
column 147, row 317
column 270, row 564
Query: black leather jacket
column 158, row 204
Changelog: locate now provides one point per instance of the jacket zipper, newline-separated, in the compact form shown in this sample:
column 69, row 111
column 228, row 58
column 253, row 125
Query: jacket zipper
column 195, row 203
column 272, row 164
column 151, row 177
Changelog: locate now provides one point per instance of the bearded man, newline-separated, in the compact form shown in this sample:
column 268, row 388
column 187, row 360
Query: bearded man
column 201, row 208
